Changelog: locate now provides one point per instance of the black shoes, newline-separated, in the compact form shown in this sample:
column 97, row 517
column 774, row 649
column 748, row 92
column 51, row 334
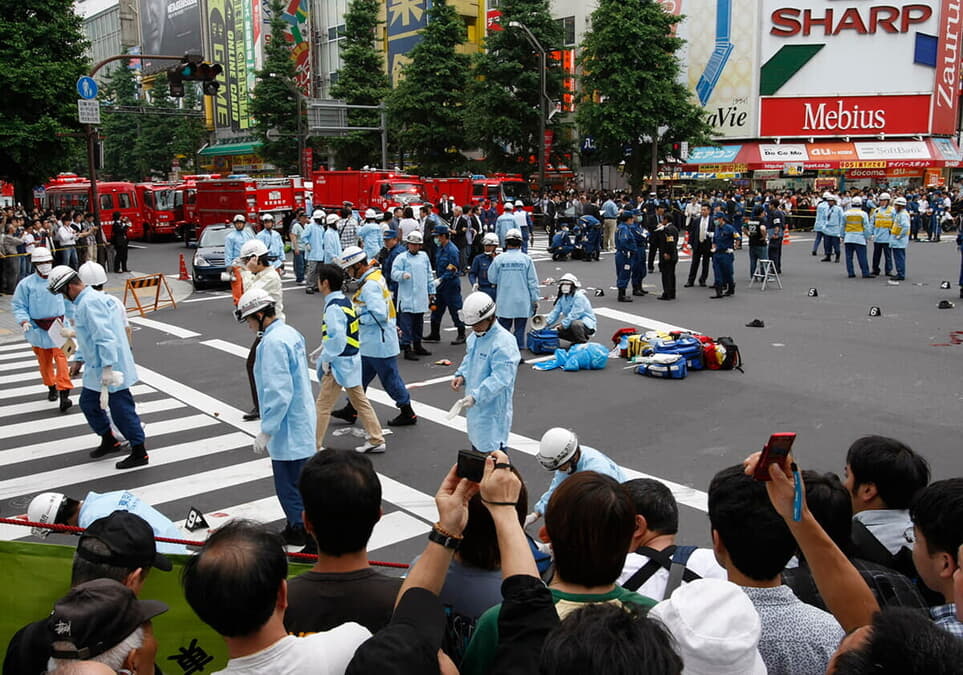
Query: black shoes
column 433, row 337
column 347, row 413
column 65, row 401
column 137, row 457
column 410, row 354
column 826, row 259
column 638, row 292
column 460, row 340
column 419, row 350
column 293, row 536
column 688, row 284
column 756, row 323
column 108, row 444
column 255, row 414
column 623, row 297
column 405, row 418
column 52, row 393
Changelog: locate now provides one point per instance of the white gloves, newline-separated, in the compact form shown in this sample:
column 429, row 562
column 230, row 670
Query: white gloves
column 326, row 367
column 25, row 326
column 460, row 404
column 474, row 287
column 226, row 276
column 108, row 378
column 68, row 332
column 531, row 518
column 313, row 356
column 261, row 443
column 406, row 276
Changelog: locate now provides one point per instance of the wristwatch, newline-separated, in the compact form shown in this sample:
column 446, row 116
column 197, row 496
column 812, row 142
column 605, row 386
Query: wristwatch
column 445, row 540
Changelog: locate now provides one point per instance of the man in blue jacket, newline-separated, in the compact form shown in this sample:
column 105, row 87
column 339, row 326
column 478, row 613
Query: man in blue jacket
column 626, row 252
column 723, row 258
column 478, row 274
column 312, row 241
column 448, row 291
column 284, row 392
column 109, row 370
column 513, row 273
column 272, row 240
column 488, row 375
column 232, row 251
column 572, row 315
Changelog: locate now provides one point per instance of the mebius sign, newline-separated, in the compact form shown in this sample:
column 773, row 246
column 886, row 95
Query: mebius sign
column 860, row 67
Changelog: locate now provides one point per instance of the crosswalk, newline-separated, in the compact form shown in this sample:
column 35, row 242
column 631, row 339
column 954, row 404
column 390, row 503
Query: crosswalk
column 200, row 452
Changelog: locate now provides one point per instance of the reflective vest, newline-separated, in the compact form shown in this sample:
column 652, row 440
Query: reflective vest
column 351, row 348
column 854, row 220
column 884, row 218
column 379, row 279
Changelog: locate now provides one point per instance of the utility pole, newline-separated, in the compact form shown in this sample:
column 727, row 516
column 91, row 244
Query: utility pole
column 543, row 96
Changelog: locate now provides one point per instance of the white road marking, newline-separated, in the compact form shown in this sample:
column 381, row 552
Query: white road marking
column 13, row 355
column 636, row 320
column 35, row 406
column 165, row 327
column 76, row 418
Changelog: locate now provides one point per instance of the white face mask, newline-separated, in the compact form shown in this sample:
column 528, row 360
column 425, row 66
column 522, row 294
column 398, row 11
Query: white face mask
column 44, row 268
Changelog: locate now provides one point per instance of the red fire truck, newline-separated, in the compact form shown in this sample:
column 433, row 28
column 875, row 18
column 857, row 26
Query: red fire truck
column 160, row 209
column 68, row 192
column 500, row 188
column 380, row 190
column 458, row 189
column 218, row 200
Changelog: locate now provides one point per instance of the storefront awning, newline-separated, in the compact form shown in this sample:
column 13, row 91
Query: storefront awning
column 798, row 157
column 230, row 149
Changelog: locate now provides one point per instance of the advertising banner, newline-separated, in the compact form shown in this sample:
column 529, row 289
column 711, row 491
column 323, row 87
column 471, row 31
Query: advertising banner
column 226, row 21
column 844, row 115
column 710, row 155
column 406, row 19
column 719, row 60
column 296, row 33
column 946, row 89
column 169, row 27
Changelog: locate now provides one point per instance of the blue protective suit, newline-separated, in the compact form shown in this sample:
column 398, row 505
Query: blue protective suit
column 882, row 222
column 98, row 506
column 513, row 272
column 284, row 393
column 574, row 307
column 590, row 460
column 834, row 222
column 900, row 231
column 346, row 369
column 378, row 330
column 478, row 274
column 332, row 246
column 275, row 245
column 822, row 216
column 101, row 340
column 371, row 238
column 312, row 242
column 505, row 222
column 858, row 229
column 32, row 300
column 489, row 369
column 413, row 293
column 233, row 243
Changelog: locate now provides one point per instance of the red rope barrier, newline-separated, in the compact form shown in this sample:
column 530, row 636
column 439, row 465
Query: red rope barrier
column 72, row 529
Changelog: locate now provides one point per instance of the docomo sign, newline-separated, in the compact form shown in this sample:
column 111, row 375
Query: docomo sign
column 846, row 115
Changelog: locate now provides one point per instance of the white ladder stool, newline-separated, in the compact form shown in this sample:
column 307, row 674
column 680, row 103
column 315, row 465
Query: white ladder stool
column 765, row 273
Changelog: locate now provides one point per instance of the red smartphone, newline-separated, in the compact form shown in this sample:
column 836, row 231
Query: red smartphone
column 775, row 452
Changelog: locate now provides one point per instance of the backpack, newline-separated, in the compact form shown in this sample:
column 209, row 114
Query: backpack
column 672, row 558
column 733, row 357
column 544, row 341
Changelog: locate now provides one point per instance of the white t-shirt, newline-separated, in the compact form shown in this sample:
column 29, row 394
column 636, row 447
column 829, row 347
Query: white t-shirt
column 702, row 562
column 327, row 653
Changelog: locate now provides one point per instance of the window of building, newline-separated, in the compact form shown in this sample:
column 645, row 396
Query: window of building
column 567, row 25
column 336, row 33
column 334, row 78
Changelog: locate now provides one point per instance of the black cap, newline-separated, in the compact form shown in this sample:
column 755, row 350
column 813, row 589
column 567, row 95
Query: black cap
column 96, row 616
column 129, row 538
column 410, row 643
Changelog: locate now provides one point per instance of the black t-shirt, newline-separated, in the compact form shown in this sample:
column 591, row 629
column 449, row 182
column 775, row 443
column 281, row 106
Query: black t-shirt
column 28, row 651
column 756, row 236
column 319, row 601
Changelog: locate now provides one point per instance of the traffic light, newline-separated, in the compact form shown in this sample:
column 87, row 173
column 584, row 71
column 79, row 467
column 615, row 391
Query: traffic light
column 207, row 73
column 193, row 68
column 176, row 81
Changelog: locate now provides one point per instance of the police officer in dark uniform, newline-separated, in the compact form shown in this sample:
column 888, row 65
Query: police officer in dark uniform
column 625, row 253
column 723, row 243
column 668, row 257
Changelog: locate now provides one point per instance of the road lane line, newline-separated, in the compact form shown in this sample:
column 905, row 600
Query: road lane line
column 637, row 320
column 38, row 405
column 165, row 327
column 75, row 418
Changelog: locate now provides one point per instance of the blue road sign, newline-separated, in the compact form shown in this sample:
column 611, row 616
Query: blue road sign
column 87, row 87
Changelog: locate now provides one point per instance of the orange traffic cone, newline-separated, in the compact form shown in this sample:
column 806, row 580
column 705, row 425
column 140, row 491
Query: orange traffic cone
column 785, row 237
column 685, row 245
column 183, row 275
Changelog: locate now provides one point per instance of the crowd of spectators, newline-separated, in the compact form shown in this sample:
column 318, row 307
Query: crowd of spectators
column 807, row 573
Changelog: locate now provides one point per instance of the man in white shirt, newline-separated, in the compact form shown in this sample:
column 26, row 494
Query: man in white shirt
column 237, row 585
column 67, row 237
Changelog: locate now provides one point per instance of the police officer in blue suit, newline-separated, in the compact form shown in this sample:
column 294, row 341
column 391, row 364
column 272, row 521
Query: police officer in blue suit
column 626, row 250
column 273, row 241
column 448, row 291
column 723, row 258
column 478, row 274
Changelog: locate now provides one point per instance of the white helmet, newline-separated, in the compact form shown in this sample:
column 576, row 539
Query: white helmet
column 832, row 198
column 884, row 197
column 240, row 218
column 490, row 239
column 92, row 274
column 351, row 256
column 43, row 509
column 253, row 248
column 267, row 216
column 478, row 306
column 518, row 202
column 59, row 277
column 509, row 206
column 827, row 196
column 414, row 237
column 514, row 234
column 252, row 301
column 370, row 213
column 332, row 218
column 571, row 278
column 318, row 215
column 41, row 254
column 557, row 446
column 857, row 201
column 900, row 201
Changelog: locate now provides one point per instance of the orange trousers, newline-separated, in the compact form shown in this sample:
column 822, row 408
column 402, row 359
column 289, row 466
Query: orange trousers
column 52, row 360
column 237, row 285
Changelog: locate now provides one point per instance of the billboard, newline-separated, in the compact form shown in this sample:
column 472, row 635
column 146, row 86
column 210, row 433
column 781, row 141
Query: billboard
column 719, row 60
column 226, row 22
column 844, row 115
column 405, row 20
column 168, row 27
column 296, row 33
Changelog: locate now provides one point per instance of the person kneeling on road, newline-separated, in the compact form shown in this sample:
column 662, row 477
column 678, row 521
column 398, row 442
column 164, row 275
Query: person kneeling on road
column 488, row 374
column 109, row 370
column 284, row 390
column 339, row 362
column 378, row 334
column 560, row 451
column 572, row 315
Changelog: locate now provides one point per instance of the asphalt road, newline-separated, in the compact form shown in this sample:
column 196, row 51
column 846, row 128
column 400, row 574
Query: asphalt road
column 821, row 367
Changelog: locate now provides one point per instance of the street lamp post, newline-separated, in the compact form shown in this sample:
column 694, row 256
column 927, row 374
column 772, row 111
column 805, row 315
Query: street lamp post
column 543, row 97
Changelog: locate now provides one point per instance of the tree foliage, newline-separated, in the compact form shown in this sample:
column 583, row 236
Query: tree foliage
column 630, row 86
column 122, row 131
column 426, row 106
column 275, row 103
column 503, row 101
column 190, row 133
column 361, row 81
column 42, row 52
